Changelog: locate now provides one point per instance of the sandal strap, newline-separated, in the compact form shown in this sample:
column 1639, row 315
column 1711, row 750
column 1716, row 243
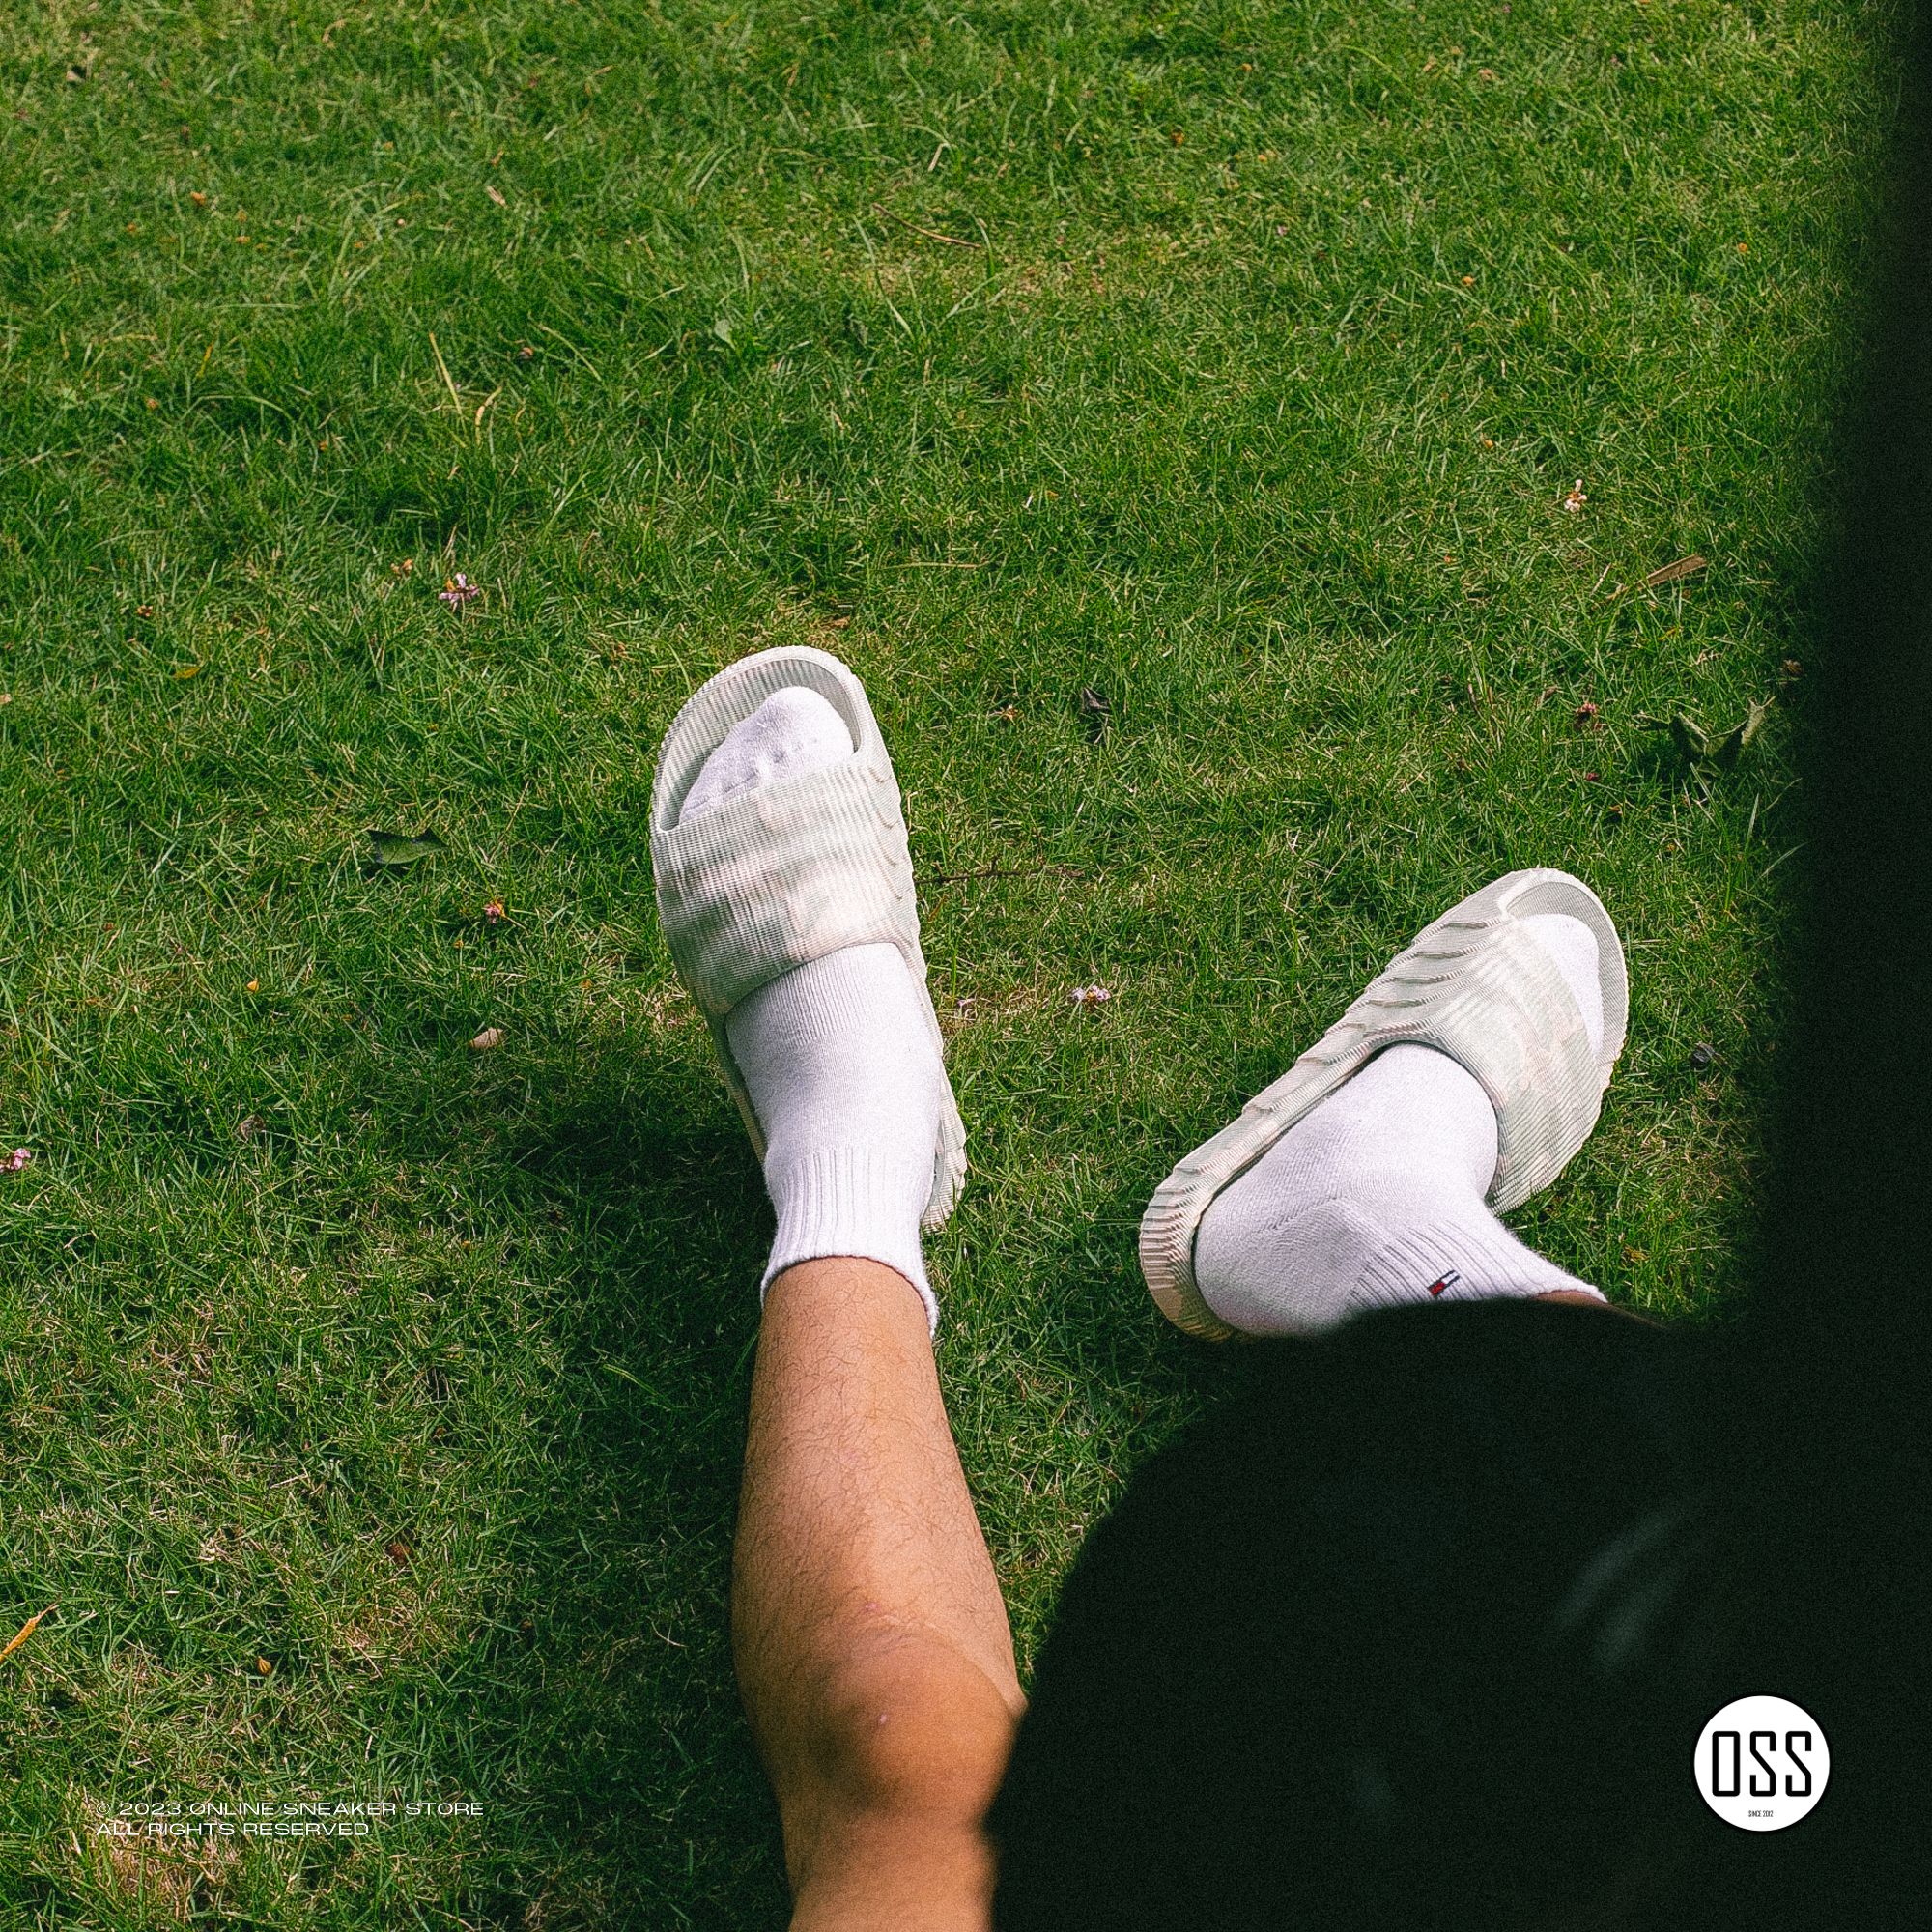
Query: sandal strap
column 1487, row 994
column 781, row 875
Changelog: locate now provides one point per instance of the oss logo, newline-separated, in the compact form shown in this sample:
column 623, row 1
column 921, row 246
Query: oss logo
column 1762, row 1763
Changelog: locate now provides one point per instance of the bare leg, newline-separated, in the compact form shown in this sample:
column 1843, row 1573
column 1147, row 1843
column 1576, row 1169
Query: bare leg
column 873, row 1648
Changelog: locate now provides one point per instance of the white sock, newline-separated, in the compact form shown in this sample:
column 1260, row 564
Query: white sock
column 1377, row 1196
column 836, row 1054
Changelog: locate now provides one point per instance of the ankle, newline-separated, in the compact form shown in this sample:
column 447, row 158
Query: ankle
column 838, row 1060
column 854, row 1202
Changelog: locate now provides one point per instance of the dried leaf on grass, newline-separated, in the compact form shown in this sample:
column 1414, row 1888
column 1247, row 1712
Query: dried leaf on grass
column 1675, row 573
column 22, row 1635
column 402, row 848
column 1669, row 572
column 1701, row 750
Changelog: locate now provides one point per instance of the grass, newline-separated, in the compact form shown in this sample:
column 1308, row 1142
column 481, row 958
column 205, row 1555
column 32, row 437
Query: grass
column 370, row 1407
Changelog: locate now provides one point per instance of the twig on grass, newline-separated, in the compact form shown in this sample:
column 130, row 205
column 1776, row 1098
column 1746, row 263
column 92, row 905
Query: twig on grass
column 930, row 234
column 447, row 383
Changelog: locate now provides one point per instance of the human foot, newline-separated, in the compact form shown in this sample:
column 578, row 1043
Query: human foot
column 1364, row 1177
column 836, row 1057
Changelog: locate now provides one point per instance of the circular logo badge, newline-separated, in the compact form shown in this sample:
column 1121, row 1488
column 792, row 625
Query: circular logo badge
column 1762, row 1763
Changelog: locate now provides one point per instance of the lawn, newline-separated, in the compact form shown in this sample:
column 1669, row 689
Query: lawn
column 1234, row 443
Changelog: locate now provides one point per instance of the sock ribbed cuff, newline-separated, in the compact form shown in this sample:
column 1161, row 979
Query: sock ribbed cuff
column 847, row 1200
column 1459, row 1264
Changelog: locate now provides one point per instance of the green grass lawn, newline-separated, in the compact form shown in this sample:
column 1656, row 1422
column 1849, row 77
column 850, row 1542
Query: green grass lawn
column 370, row 1407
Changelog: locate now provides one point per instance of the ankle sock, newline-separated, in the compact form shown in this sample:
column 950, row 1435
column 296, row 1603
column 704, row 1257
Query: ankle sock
column 836, row 1054
column 1376, row 1198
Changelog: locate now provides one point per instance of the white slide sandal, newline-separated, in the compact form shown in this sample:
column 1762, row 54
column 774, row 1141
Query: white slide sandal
column 786, row 873
column 1473, row 984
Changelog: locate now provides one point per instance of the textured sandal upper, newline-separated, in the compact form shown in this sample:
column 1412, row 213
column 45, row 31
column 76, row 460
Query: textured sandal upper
column 1486, row 993
column 781, row 875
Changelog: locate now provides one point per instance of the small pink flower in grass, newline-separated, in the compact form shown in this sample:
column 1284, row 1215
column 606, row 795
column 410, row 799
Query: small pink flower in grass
column 1086, row 998
column 493, row 912
column 17, row 1159
column 458, row 590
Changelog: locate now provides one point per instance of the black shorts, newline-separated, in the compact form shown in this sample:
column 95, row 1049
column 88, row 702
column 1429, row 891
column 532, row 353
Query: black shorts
column 1419, row 1627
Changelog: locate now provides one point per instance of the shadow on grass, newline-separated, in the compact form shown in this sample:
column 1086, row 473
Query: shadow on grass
column 602, row 1718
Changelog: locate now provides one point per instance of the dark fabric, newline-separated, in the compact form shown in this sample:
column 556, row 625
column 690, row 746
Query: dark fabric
column 1831, row 1357
column 1419, row 1629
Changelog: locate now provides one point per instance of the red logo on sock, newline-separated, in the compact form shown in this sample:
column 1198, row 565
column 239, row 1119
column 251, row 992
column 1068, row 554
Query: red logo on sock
column 1449, row 1280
